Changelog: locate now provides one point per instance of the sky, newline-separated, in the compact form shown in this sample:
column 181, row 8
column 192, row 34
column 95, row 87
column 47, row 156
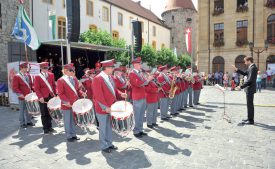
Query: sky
column 157, row 6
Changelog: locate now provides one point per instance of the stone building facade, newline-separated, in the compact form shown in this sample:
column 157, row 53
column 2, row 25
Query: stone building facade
column 180, row 15
column 225, row 29
column 10, row 49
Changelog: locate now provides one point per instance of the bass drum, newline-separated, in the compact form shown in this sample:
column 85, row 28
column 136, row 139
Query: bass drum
column 122, row 118
column 84, row 113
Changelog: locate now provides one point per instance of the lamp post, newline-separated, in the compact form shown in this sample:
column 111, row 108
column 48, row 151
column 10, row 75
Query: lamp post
column 258, row 51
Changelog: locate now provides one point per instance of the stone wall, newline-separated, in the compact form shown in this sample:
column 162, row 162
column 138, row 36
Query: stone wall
column 178, row 27
column 9, row 10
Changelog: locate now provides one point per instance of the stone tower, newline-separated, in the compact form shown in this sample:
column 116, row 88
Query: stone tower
column 180, row 15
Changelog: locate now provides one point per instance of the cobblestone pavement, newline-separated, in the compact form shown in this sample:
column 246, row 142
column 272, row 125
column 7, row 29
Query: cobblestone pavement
column 197, row 138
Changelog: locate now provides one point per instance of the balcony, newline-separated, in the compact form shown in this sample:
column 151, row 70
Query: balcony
column 218, row 43
column 218, row 11
column 270, row 4
column 241, row 43
column 242, row 9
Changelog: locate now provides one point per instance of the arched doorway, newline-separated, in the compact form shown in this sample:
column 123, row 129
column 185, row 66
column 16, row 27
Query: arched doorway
column 271, row 28
column 239, row 62
column 218, row 64
column 270, row 60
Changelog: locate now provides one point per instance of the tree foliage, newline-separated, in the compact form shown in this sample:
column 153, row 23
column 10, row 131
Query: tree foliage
column 166, row 56
column 148, row 55
column 104, row 38
column 184, row 61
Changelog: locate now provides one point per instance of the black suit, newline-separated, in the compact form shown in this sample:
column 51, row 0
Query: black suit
column 249, row 87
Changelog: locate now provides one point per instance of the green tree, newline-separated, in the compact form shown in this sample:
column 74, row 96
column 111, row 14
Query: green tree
column 104, row 38
column 148, row 54
column 166, row 56
column 184, row 61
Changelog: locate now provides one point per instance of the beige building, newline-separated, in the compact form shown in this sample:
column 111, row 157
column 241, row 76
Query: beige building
column 225, row 29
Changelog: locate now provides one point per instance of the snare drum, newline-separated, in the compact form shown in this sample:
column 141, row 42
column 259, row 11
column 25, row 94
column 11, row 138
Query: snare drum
column 32, row 104
column 122, row 118
column 84, row 112
column 54, row 107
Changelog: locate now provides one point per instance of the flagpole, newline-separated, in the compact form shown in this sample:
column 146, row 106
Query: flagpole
column 26, row 53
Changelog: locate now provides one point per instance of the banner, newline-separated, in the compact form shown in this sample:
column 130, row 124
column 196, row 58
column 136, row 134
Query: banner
column 52, row 25
column 188, row 40
column 13, row 69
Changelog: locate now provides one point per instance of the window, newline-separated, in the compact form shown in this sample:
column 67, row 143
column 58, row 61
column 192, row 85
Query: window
column 218, row 34
column 63, row 4
column 154, row 44
column 242, row 5
column 105, row 14
column 142, row 27
column 93, row 27
column 162, row 46
column 242, row 33
column 120, row 19
column 130, row 22
column 270, row 3
column 271, row 29
column 89, row 8
column 154, row 31
column 173, row 18
column 115, row 35
column 218, row 7
column 48, row 1
column 0, row 17
column 61, row 28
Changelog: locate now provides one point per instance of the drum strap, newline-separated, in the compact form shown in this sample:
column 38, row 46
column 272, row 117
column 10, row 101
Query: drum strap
column 24, row 80
column 46, row 82
column 69, row 84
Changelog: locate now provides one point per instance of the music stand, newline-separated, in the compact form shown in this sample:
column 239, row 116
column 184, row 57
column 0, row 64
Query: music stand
column 225, row 116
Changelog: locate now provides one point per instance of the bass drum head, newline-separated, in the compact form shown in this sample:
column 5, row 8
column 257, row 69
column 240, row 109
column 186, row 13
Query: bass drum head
column 31, row 97
column 121, row 109
column 54, row 103
column 82, row 106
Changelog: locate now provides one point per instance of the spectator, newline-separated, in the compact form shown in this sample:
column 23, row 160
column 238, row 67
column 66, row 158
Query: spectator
column 225, row 80
column 217, row 77
column 259, row 82
column 269, row 76
column 221, row 78
column 233, row 85
column 264, row 76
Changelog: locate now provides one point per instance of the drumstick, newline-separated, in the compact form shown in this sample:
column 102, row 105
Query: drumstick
column 125, row 101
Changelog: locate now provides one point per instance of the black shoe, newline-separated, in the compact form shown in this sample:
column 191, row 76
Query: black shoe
column 143, row 134
column 198, row 103
column 46, row 132
column 30, row 124
column 113, row 147
column 245, row 120
column 139, row 135
column 185, row 107
column 182, row 109
column 164, row 119
column 70, row 140
column 169, row 117
column 76, row 138
column 24, row 126
column 52, row 130
column 191, row 106
column 106, row 150
column 150, row 126
column 174, row 114
column 248, row 123
column 155, row 124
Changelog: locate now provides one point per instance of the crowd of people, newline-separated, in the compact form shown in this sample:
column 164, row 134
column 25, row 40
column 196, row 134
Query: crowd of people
column 170, row 89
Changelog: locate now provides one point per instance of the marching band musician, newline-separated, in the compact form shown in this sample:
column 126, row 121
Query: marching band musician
column 44, row 87
column 105, row 94
column 185, row 94
column 183, row 89
column 152, row 98
column 22, row 86
column 87, row 80
column 197, row 88
column 69, row 91
column 190, row 87
column 119, row 80
column 165, row 82
column 174, row 105
column 138, row 83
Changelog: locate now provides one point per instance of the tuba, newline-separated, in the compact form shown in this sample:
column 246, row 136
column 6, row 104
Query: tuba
column 173, row 89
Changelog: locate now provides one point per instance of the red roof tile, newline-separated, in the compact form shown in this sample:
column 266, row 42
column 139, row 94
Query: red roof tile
column 177, row 4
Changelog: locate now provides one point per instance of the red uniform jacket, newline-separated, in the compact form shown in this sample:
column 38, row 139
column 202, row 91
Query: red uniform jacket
column 121, row 85
column 66, row 94
column 103, row 95
column 178, row 85
column 166, row 86
column 40, row 87
column 20, row 87
column 182, row 85
column 138, row 84
column 152, row 93
column 87, row 84
column 197, row 85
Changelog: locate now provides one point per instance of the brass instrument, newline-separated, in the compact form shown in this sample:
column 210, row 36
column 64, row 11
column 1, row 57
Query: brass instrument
column 173, row 88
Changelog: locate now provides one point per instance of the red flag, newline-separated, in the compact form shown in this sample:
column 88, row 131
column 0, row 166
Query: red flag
column 21, row 1
column 188, row 39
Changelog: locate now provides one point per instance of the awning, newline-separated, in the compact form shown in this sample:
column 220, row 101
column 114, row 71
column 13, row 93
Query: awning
column 82, row 45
